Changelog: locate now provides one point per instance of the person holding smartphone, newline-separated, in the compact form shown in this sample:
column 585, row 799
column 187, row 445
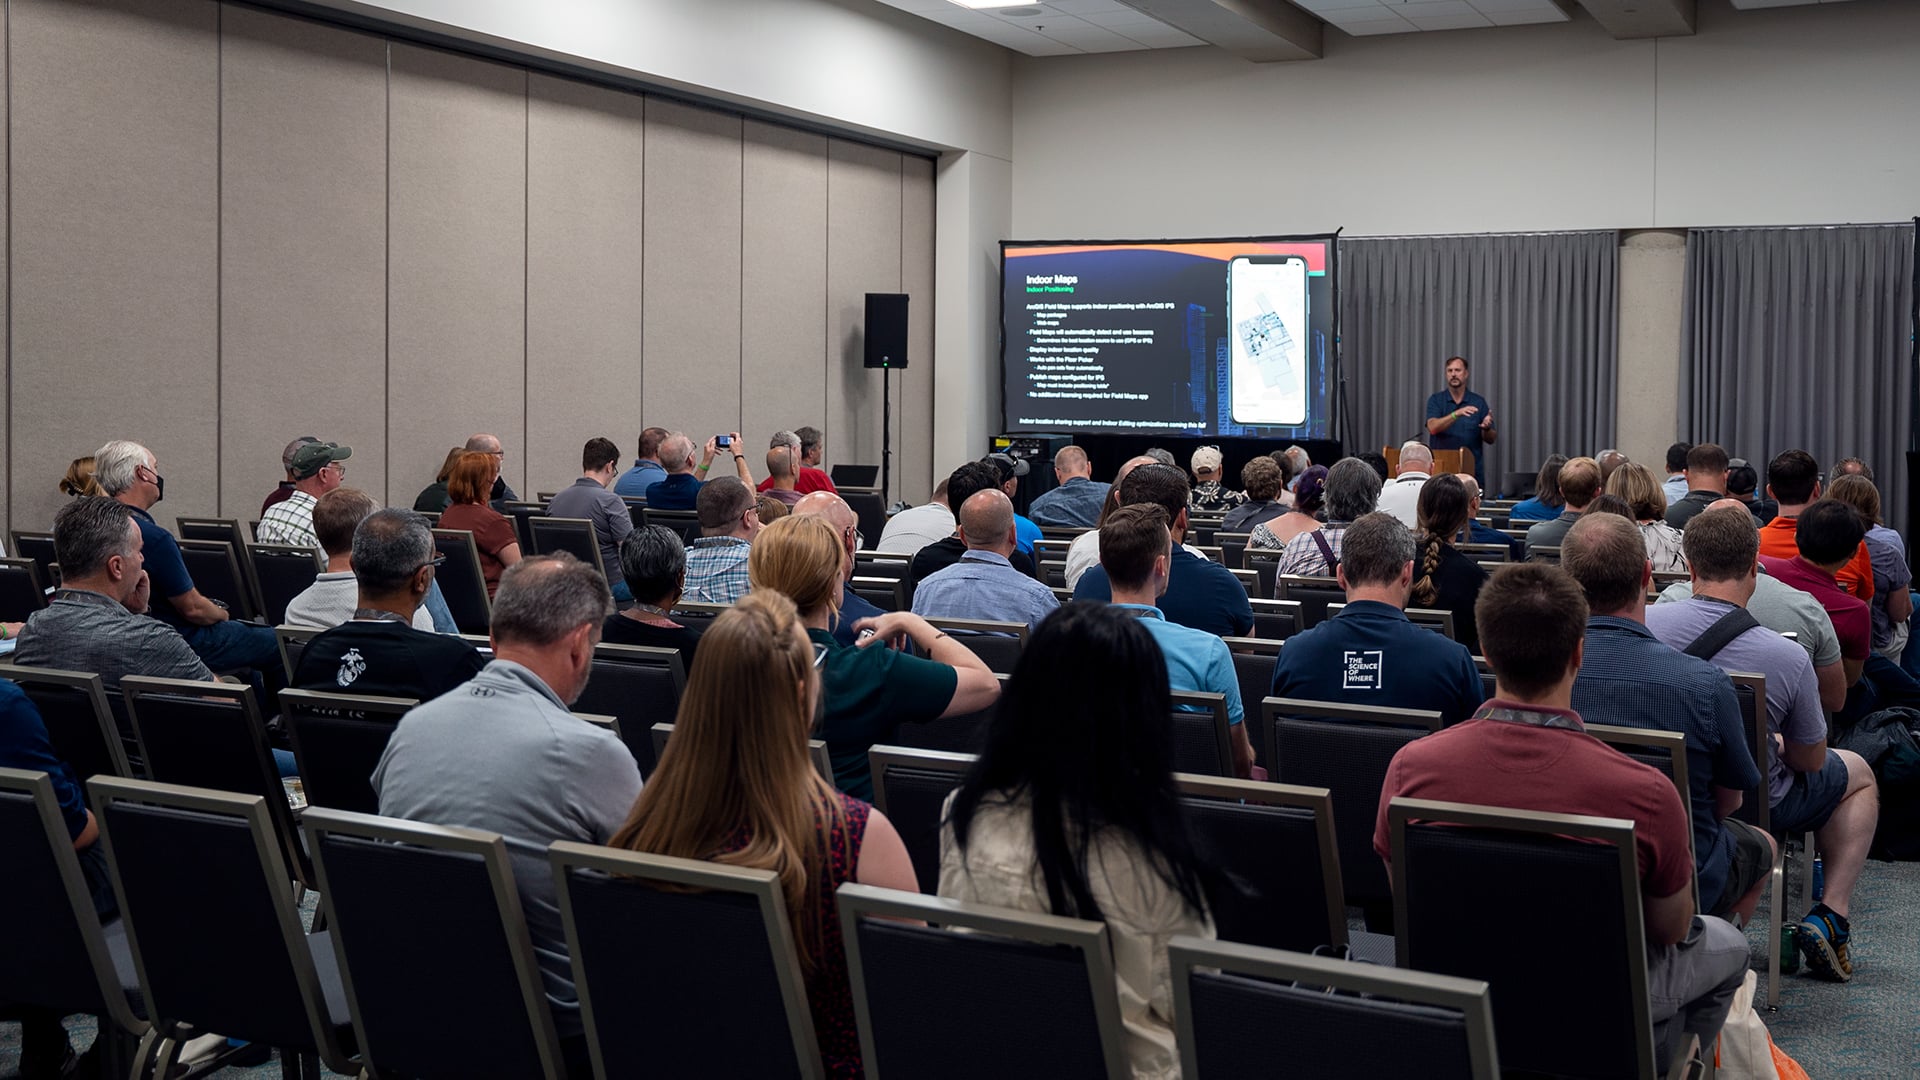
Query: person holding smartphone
column 1459, row 419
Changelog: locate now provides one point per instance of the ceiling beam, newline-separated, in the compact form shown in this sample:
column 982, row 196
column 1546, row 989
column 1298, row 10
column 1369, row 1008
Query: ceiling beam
column 1643, row 18
column 1259, row 30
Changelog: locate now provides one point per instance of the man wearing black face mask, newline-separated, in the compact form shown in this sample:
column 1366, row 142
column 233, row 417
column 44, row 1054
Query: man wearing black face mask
column 129, row 473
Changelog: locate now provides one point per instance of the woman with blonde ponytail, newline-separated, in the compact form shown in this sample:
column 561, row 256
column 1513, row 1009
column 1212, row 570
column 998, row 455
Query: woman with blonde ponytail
column 736, row 786
column 1442, row 577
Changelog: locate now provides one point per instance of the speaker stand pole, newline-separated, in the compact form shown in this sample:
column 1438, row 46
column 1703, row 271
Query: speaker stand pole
column 886, row 433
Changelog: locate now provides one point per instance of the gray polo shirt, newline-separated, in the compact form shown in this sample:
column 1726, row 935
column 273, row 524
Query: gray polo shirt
column 611, row 519
column 90, row 631
column 1782, row 609
column 502, row 753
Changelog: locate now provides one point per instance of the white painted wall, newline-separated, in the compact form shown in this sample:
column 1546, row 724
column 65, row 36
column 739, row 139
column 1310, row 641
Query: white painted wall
column 1787, row 116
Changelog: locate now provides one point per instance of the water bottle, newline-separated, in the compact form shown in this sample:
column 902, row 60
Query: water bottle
column 1819, row 879
column 1789, row 952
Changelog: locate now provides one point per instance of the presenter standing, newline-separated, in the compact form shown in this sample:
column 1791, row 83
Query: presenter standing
column 1459, row 419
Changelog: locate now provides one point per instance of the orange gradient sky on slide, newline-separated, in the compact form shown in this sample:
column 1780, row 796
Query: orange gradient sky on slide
column 1314, row 251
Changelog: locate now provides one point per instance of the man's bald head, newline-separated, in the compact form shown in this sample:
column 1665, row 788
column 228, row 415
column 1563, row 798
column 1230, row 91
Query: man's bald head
column 1609, row 460
column 834, row 511
column 483, row 444
column 1472, row 485
column 1729, row 501
column 1071, row 462
column 1131, row 464
column 1415, row 457
column 780, row 462
column 986, row 522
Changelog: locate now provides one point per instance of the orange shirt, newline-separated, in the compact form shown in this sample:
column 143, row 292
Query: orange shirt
column 1777, row 540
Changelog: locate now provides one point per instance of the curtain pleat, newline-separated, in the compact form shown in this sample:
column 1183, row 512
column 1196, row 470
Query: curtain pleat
column 1800, row 338
column 1535, row 314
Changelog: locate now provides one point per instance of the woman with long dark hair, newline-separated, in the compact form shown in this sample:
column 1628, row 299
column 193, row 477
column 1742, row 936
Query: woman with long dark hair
column 1442, row 577
column 1071, row 810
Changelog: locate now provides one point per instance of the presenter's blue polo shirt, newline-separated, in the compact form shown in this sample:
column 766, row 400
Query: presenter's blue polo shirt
column 1372, row 655
column 1463, row 433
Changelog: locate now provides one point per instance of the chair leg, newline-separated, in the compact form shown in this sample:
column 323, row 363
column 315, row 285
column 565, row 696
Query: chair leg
column 167, row 1056
column 1775, row 924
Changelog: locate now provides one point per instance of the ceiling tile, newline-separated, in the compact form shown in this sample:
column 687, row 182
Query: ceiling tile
column 1468, row 21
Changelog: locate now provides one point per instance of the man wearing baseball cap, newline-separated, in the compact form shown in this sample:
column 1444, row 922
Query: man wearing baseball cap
column 1210, row 493
column 1025, row 532
column 316, row 470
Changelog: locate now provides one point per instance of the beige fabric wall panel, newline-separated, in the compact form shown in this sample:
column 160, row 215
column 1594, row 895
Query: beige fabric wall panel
column 913, row 388
column 456, row 338
column 6, row 448
column 114, row 122
column 585, row 160
column 303, row 234
column 783, row 326
column 863, row 256
column 693, row 273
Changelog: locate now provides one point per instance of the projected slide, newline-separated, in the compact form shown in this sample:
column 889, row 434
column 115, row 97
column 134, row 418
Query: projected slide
column 1216, row 337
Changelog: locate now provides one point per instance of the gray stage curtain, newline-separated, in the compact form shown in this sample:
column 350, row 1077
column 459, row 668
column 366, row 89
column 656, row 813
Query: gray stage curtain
column 1799, row 338
column 1535, row 314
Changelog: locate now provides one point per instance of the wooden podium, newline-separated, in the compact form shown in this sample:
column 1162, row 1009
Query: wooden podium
column 1444, row 461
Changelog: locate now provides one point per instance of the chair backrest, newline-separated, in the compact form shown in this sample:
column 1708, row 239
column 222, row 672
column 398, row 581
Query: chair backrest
column 966, row 733
column 210, row 915
column 1051, row 572
column 210, row 735
column 882, row 592
column 1486, row 554
column 293, row 644
column 1434, row 619
column 1663, row 750
column 434, row 953
column 1233, row 552
column 1573, row 1004
column 816, row 749
column 1314, row 594
column 1254, row 670
column 684, row 522
column 23, row 589
column 1277, row 620
column 217, row 572
column 575, row 536
column 37, row 546
column 1250, row 581
column 54, row 953
column 855, row 476
column 1266, row 565
column 1345, row 750
column 522, row 512
column 80, row 725
column 1273, row 845
column 997, row 643
column 462, row 583
column 911, row 788
column 870, row 507
column 338, row 740
column 1750, row 691
column 703, row 934
column 1019, row 994
column 639, row 686
column 1049, row 549
column 1202, row 735
column 283, row 571
column 1544, row 553
column 881, row 564
column 1239, row 1009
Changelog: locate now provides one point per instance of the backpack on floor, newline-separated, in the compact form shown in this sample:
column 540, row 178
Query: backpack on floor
column 1887, row 740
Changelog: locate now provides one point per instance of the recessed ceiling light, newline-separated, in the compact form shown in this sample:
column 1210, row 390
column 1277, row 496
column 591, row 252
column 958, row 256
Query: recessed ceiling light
column 979, row 4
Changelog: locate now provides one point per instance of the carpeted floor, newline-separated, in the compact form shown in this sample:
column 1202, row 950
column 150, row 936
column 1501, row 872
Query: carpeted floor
column 1862, row 1030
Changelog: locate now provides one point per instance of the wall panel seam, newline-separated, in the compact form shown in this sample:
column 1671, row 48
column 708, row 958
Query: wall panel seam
column 219, row 257
column 8, row 19
column 386, row 291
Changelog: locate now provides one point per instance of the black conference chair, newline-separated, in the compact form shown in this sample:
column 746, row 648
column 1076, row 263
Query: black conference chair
column 1254, row 670
column 338, row 740
column 883, row 593
column 210, row 735
column 435, row 960
column 283, row 571
column 23, row 590
column 684, row 522
column 999, row 644
column 1544, row 553
column 1750, row 692
column 38, row 546
column 575, row 536
column 911, row 788
column 964, row 734
column 217, row 573
column 1313, row 593
column 869, row 505
column 293, row 644
column 638, row 686
column 1434, row 619
column 80, row 725
column 880, row 564
column 462, row 582
column 1233, row 554
column 214, row 926
column 521, row 513
column 1346, row 750
column 724, row 994
column 1019, row 994
column 1202, row 735
column 1280, row 880
column 1239, row 1009
column 1277, row 620
column 1265, row 565
column 57, row 954
column 1570, row 1004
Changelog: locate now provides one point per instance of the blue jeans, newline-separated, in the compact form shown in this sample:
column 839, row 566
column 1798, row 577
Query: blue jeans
column 232, row 646
column 437, row 610
column 1883, row 685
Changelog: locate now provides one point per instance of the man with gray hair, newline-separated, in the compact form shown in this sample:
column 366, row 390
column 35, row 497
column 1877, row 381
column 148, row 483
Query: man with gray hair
column 717, row 562
column 1352, row 489
column 984, row 584
column 130, row 474
column 1402, row 497
column 681, row 489
column 1076, row 502
column 808, row 447
column 504, row 754
column 285, row 488
column 1297, row 461
column 484, row 443
column 385, row 647
column 334, row 595
column 1371, row 654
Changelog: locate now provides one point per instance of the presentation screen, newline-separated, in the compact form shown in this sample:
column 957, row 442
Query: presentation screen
column 1181, row 337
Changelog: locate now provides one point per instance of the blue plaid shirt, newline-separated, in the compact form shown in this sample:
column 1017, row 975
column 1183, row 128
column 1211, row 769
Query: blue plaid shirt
column 717, row 569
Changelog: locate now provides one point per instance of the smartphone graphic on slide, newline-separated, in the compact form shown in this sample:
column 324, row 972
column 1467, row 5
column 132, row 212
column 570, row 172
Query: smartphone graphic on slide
column 1267, row 331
